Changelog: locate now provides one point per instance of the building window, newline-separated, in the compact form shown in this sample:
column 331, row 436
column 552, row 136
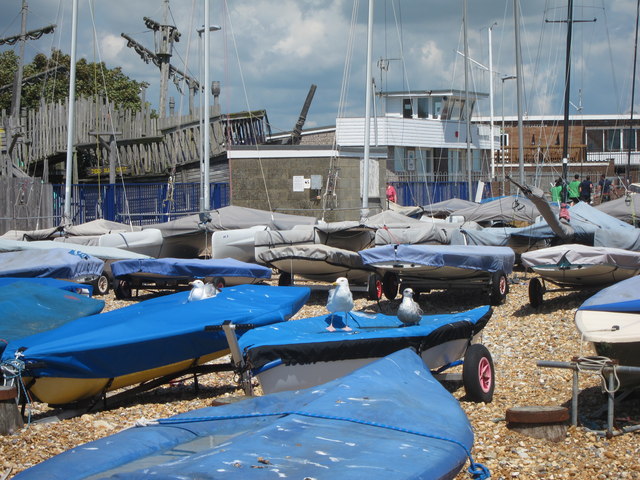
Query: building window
column 630, row 139
column 612, row 139
column 423, row 108
column 595, row 140
column 407, row 108
column 398, row 159
column 437, row 107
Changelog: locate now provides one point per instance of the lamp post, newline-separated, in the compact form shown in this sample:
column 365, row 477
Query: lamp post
column 503, row 78
column 204, row 205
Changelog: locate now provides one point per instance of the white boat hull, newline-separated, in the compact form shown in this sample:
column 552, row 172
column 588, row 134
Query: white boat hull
column 320, row 270
column 587, row 275
column 294, row 377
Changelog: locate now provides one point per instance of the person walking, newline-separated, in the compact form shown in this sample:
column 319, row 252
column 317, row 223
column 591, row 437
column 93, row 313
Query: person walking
column 604, row 188
column 392, row 195
column 556, row 191
column 574, row 189
column 585, row 189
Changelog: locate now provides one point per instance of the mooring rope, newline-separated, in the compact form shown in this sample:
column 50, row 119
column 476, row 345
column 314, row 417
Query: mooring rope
column 600, row 363
column 12, row 373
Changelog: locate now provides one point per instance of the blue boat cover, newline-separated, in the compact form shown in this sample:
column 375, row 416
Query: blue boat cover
column 307, row 340
column 388, row 420
column 623, row 296
column 190, row 268
column 152, row 333
column 472, row 257
column 27, row 308
column 63, row 263
column 50, row 282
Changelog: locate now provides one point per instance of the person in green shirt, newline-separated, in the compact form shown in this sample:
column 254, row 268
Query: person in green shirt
column 574, row 189
column 556, row 191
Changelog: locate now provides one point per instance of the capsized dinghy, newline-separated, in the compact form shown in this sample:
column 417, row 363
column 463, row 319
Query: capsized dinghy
column 147, row 340
column 302, row 353
column 390, row 419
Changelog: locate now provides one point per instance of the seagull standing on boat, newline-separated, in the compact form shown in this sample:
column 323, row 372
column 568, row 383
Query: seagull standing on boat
column 409, row 312
column 340, row 300
column 200, row 291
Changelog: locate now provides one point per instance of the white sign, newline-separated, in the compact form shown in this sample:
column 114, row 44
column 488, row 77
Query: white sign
column 298, row 183
column 307, row 183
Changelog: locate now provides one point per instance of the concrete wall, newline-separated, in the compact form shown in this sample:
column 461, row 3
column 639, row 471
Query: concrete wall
column 267, row 184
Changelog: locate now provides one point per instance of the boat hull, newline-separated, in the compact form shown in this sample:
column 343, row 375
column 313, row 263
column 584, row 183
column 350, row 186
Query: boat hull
column 584, row 275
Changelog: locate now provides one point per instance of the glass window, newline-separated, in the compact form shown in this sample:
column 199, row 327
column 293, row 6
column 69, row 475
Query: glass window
column 456, row 109
column 612, row 138
column 423, row 108
column 407, row 108
column 595, row 140
column 437, row 107
column 398, row 159
column 630, row 139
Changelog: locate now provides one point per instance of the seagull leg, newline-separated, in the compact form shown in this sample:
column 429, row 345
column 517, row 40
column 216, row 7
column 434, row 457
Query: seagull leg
column 346, row 327
column 331, row 328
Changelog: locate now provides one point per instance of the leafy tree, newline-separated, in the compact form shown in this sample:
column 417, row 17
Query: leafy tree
column 91, row 79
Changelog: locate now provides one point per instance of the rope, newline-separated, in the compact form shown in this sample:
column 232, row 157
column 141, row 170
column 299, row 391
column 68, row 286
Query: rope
column 600, row 363
column 12, row 373
column 477, row 470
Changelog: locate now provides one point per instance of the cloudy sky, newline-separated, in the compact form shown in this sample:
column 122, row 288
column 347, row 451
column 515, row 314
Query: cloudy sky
column 269, row 52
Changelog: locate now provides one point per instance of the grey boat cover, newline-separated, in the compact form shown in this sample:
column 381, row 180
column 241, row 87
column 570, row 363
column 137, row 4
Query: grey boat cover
column 92, row 228
column 626, row 208
column 103, row 253
column 321, row 253
column 447, row 207
column 427, row 233
column 511, row 209
column 408, row 210
column 230, row 218
column 60, row 263
column 391, row 219
column 489, row 259
column 577, row 254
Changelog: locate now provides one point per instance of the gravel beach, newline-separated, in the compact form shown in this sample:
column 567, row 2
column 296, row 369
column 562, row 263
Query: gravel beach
column 517, row 336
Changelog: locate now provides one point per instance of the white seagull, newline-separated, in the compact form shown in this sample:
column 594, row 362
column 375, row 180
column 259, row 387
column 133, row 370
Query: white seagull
column 340, row 300
column 200, row 291
column 409, row 312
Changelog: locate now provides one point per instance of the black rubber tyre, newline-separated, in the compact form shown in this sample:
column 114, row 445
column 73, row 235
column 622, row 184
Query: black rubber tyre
column 219, row 283
column 101, row 285
column 285, row 280
column 390, row 285
column 374, row 287
column 536, row 292
column 123, row 290
column 478, row 374
column 499, row 287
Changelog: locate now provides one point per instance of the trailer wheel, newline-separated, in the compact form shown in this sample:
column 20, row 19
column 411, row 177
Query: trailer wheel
column 478, row 375
column 374, row 287
column 219, row 283
column 285, row 280
column 390, row 285
column 499, row 287
column 101, row 285
column 123, row 290
column 536, row 292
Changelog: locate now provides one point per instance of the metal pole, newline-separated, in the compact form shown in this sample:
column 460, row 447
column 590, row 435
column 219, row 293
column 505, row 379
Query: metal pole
column 567, row 84
column 364, row 213
column 516, row 14
column 466, row 109
column 633, row 94
column 207, row 93
column 17, row 82
column 72, row 112
column 491, row 133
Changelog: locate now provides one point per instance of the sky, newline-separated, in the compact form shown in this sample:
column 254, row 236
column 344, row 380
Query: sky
column 269, row 52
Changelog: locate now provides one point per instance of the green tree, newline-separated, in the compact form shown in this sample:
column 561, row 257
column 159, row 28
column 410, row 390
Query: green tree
column 91, row 79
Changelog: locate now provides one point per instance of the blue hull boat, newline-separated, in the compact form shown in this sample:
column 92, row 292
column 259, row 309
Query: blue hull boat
column 154, row 338
column 379, row 422
column 177, row 272
column 303, row 353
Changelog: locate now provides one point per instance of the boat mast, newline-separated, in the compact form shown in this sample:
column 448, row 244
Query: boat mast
column 72, row 112
column 567, row 84
column 207, row 90
column 633, row 93
column 467, row 109
column 516, row 14
column 364, row 212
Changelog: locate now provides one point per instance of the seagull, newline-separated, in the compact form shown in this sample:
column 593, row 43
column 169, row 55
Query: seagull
column 340, row 300
column 409, row 312
column 200, row 291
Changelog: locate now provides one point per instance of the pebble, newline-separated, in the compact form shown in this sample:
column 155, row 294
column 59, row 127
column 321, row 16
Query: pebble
column 517, row 336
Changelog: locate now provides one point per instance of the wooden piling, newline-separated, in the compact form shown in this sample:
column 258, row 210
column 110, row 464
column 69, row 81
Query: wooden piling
column 10, row 418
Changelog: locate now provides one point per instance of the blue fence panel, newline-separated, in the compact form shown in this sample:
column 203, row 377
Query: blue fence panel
column 140, row 203
column 425, row 193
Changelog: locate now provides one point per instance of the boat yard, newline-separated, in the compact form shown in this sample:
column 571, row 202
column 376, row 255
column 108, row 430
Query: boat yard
column 517, row 335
